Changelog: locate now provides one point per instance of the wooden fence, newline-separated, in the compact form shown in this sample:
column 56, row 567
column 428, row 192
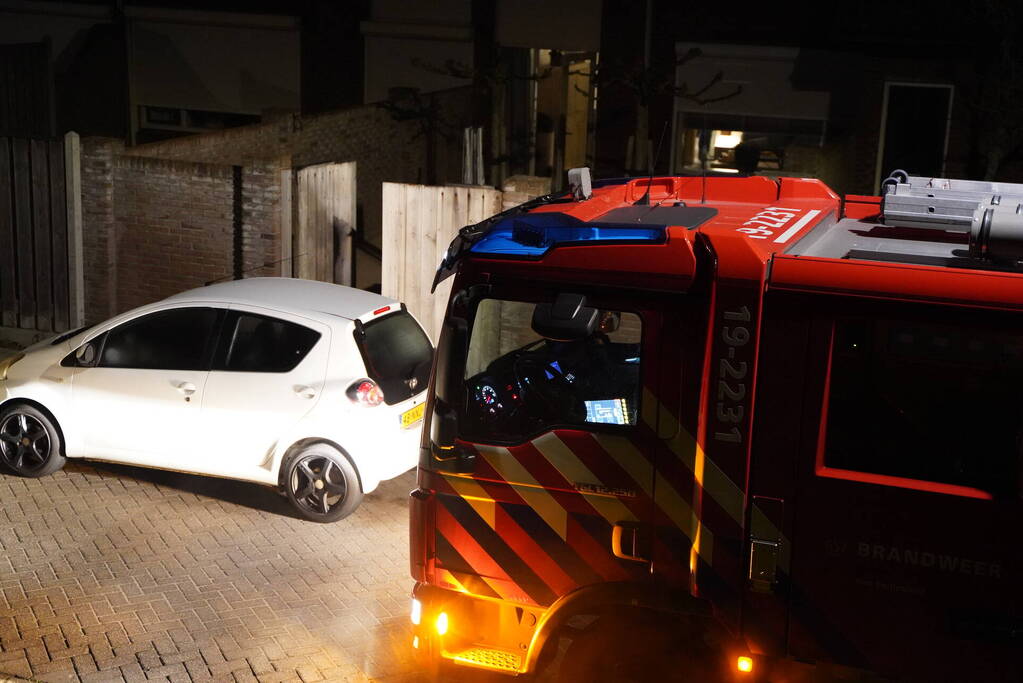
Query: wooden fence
column 325, row 218
column 419, row 221
column 40, row 234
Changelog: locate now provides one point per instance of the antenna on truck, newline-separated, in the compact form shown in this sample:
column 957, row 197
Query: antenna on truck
column 645, row 199
column 702, row 148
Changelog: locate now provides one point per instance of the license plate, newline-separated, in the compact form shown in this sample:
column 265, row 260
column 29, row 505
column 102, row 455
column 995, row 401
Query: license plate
column 413, row 415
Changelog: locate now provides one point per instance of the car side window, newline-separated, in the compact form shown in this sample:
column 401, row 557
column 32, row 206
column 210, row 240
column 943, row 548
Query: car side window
column 257, row 343
column 927, row 401
column 177, row 339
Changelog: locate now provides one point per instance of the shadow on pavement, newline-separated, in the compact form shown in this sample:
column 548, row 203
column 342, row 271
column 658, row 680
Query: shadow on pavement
column 245, row 494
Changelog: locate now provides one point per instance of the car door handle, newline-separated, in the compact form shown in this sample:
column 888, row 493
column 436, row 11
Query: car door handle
column 305, row 392
column 186, row 388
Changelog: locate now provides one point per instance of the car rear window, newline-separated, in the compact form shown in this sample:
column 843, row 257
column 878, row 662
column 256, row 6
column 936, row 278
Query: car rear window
column 397, row 354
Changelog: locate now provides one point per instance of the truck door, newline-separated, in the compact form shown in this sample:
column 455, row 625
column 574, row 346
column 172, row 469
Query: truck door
column 559, row 489
column 907, row 492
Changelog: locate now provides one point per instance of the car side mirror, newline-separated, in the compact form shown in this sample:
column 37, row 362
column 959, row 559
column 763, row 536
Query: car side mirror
column 86, row 355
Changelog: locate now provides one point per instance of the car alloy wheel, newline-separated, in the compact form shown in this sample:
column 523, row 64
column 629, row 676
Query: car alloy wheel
column 318, row 484
column 29, row 444
column 322, row 484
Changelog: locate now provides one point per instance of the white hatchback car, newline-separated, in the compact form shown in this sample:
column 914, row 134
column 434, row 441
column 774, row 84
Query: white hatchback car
column 315, row 388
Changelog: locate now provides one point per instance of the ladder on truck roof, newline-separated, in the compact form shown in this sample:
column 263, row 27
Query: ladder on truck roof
column 990, row 213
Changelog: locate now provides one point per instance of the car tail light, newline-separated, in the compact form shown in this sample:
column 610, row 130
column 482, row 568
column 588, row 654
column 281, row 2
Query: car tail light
column 366, row 392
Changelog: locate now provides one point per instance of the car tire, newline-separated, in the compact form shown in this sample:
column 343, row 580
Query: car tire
column 321, row 483
column 30, row 443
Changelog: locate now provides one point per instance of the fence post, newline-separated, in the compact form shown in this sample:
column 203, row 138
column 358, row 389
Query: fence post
column 345, row 213
column 76, row 271
column 287, row 213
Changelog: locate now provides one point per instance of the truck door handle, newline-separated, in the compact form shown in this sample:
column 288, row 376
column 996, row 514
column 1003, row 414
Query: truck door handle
column 765, row 543
column 627, row 542
column 186, row 388
column 763, row 564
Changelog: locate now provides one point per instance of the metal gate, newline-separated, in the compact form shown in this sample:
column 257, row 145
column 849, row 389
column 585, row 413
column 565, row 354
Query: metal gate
column 40, row 234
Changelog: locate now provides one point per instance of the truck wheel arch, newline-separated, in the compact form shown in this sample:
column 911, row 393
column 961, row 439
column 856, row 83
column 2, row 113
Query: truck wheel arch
column 600, row 599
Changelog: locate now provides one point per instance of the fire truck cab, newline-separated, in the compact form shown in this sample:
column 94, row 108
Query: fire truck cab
column 729, row 428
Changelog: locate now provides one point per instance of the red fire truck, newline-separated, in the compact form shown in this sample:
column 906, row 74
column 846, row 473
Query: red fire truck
column 729, row 428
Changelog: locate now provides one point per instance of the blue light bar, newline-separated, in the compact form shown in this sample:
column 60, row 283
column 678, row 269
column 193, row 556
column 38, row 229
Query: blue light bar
column 533, row 235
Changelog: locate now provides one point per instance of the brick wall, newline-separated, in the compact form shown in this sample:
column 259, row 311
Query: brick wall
column 385, row 149
column 261, row 219
column 158, row 218
column 99, row 254
column 155, row 227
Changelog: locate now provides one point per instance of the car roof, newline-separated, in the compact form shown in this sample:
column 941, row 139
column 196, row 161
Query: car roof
column 308, row 297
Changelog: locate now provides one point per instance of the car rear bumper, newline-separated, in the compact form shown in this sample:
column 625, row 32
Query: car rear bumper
column 402, row 450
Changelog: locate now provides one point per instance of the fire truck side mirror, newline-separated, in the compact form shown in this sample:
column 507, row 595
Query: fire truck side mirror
column 567, row 319
column 444, row 427
column 449, row 456
column 452, row 349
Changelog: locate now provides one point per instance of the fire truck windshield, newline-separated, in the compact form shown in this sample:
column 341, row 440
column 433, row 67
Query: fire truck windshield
column 518, row 384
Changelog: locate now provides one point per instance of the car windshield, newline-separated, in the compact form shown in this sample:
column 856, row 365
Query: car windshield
column 518, row 384
column 64, row 336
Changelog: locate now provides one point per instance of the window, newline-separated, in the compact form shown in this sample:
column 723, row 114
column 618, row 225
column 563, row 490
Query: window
column 501, row 328
column 517, row 383
column 398, row 355
column 926, row 402
column 169, row 340
column 258, row 343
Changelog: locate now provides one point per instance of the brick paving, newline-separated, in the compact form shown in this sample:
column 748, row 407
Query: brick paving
column 113, row 573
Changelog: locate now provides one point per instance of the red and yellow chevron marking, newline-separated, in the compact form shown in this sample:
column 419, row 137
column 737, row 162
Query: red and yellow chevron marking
column 507, row 468
column 668, row 501
column 477, row 560
column 535, row 520
column 550, row 541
